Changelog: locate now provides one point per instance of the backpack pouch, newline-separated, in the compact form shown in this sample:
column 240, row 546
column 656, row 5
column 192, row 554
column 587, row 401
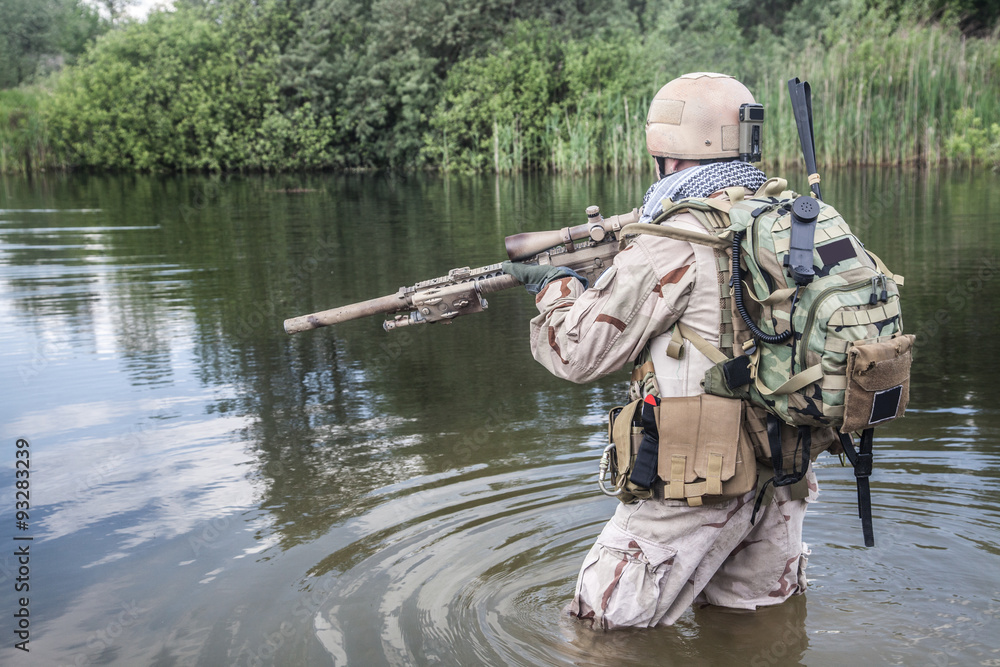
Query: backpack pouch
column 878, row 382
column 704, row 454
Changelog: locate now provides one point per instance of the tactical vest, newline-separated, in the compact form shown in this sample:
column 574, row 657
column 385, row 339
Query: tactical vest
column 836, row 354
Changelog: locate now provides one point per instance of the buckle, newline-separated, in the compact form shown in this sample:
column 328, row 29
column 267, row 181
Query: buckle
column 863, row 465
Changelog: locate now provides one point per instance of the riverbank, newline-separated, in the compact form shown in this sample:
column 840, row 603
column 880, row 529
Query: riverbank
column 181, row 92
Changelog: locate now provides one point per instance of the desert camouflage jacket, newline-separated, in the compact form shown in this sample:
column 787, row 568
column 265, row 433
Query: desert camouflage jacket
column 582, row 334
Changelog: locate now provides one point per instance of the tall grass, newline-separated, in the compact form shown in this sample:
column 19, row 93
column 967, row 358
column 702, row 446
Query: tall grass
column 24, row 142
column 875, row 102
column 889, row 103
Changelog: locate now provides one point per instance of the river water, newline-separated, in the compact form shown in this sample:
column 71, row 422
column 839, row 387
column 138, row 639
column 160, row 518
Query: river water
column 206, row 490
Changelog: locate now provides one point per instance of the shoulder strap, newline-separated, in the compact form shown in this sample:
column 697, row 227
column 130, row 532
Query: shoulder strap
column 637, row 228
column 885, row 269
column 772, row 187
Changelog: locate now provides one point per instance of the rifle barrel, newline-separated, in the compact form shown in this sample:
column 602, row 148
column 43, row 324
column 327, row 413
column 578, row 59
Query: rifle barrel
column 384, row 304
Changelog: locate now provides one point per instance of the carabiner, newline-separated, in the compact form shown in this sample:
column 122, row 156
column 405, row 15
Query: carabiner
column 603, row 470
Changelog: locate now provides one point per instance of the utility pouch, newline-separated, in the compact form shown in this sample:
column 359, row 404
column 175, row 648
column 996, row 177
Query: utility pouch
column 878, row 382
column 704, row 453
column 625, row 433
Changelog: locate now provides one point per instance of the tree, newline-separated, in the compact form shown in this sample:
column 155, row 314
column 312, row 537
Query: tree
column 38, row 36
column 116, row 8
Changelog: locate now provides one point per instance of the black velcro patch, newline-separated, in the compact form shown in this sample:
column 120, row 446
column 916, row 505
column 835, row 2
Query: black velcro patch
column 886, row 404
column 835, row 252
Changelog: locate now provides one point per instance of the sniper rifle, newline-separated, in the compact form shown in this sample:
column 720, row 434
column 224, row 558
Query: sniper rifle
column 588, row 249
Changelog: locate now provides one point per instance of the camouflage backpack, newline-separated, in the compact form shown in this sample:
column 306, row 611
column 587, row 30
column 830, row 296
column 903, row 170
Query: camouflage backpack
column 830, row 353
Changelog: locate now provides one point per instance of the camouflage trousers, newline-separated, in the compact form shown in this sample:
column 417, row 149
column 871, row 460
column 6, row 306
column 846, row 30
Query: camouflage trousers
column 656, row 558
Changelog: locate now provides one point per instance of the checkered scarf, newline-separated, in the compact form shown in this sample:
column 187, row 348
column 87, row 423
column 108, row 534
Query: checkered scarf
column 699, row 181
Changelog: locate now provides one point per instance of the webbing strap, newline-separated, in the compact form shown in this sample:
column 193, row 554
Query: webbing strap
column 794, row 383
column 777, row 296
column 782, row 478
column 736, row 194
column 713, row 478
column 841, row 345
column 678, row 464
column 851, row 318
column 675, row 348
column 720, row 205
column 824, row 234
column 678, row 233
column 834, row 382
column 713, row 353
column 772, row 187
column 861, row 460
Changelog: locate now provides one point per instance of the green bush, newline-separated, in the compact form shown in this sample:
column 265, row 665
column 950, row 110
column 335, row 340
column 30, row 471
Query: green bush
column 486, row 85
column 970, row 142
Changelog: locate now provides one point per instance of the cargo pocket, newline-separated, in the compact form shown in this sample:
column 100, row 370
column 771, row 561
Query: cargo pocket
column 878, row 382
column 622, row 578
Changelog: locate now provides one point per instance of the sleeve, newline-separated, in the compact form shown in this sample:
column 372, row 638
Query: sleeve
column 581, row 335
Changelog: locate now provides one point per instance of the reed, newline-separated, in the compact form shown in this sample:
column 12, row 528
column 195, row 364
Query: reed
column 889, row 101
column 24, row 141
column 886, row 102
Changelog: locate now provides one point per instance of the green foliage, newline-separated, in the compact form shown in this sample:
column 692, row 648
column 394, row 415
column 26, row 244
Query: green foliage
column 377, row 66
column 182, row 92
column 536, row 100
column 970, row 142
column 38, row 36
column 476, row 85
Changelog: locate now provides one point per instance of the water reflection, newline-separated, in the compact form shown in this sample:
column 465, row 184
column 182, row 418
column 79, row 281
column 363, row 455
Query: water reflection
column 346, row 496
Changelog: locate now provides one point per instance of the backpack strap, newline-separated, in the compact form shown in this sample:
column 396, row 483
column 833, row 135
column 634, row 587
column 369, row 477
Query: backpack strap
column 793, row 384
column 861, row 460
column 885, row 269
column 684, row 332
column 782, row 478
column 637, row 228
column 772, row 187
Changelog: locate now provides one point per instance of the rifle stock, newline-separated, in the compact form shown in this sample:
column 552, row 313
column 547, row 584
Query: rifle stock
column 461, row 291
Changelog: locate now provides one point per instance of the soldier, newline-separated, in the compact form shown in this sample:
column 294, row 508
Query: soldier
column 657, row 557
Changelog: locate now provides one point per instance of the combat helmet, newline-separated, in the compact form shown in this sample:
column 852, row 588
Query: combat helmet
column 696, row 117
